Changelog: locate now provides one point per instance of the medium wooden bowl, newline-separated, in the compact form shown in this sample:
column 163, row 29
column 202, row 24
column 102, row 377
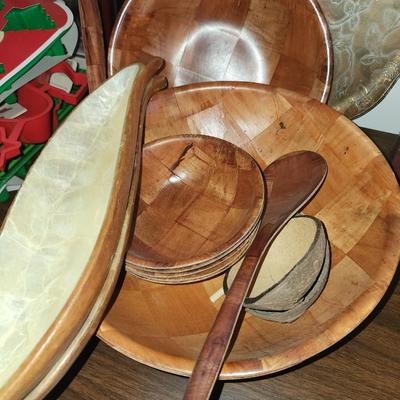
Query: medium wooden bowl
column 165, row 325
column 200, row 198
column 285, row 43
column 194, row 267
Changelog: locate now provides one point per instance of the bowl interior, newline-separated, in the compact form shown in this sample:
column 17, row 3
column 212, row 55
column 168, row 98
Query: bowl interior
column 200, row 197
column 278, row 42
column 165, row 326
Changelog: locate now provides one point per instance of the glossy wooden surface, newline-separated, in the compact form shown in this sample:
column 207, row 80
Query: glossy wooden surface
column 165, row 326
column 365, row 365
column 359, row 205
column 108, row 11
column 92, row 36
column 200, row 198
column 198, row 273
column 291, row 182
column 389, row 143
column 284, row 43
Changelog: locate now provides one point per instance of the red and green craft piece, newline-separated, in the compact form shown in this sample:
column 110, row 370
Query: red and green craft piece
column 18, row 166
column 9, row 147
column 29, row 30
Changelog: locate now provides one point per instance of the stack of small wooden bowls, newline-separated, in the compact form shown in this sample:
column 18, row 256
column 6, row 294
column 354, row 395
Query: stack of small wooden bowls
column 201, row 201
column 293, row 273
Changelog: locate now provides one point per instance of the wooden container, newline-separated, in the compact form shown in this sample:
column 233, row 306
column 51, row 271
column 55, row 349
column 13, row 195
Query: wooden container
column 284, row 43
column 200, row 199
column 197, row 274
column 165, row 325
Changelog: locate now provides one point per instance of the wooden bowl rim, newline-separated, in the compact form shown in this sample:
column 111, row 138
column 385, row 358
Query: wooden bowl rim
column 198, row 267
column 203, row 274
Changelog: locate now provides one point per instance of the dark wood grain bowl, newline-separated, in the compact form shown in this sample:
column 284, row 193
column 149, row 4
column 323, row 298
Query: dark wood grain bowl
column 197, row 274
column 165, row 325
column 285, row 43
column 200, row 198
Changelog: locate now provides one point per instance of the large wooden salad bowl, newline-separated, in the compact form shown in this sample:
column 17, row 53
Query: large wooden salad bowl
column 164, row 326
column 285, row 43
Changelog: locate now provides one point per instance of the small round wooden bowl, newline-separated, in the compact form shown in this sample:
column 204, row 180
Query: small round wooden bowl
column 200, row 198
column 291, row 267
column 165, row 325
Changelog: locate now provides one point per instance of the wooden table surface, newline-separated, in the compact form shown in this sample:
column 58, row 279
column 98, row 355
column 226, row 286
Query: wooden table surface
column 365, row 365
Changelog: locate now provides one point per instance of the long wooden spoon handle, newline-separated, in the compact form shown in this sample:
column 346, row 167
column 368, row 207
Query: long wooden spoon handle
column 213, row 353
column 291, row 181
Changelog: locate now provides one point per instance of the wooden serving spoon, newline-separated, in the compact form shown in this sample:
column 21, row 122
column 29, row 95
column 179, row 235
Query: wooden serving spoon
column 291, row 181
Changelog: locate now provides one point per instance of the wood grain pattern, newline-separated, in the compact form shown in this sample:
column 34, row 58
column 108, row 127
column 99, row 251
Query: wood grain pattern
column 358, row 204
column 191, row 187
column 396, row 161
column 365, row 367
column 291, row 181
column 108, row 11
column 95, row 278
column 92, row 36
column 389, row 144
column 284, row 43
column 199, row 273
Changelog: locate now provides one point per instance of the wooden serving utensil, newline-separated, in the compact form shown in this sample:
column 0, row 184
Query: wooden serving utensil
column 291, row 181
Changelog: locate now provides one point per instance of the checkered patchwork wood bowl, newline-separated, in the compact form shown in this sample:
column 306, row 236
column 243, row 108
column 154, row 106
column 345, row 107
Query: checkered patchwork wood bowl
column 164, row 326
